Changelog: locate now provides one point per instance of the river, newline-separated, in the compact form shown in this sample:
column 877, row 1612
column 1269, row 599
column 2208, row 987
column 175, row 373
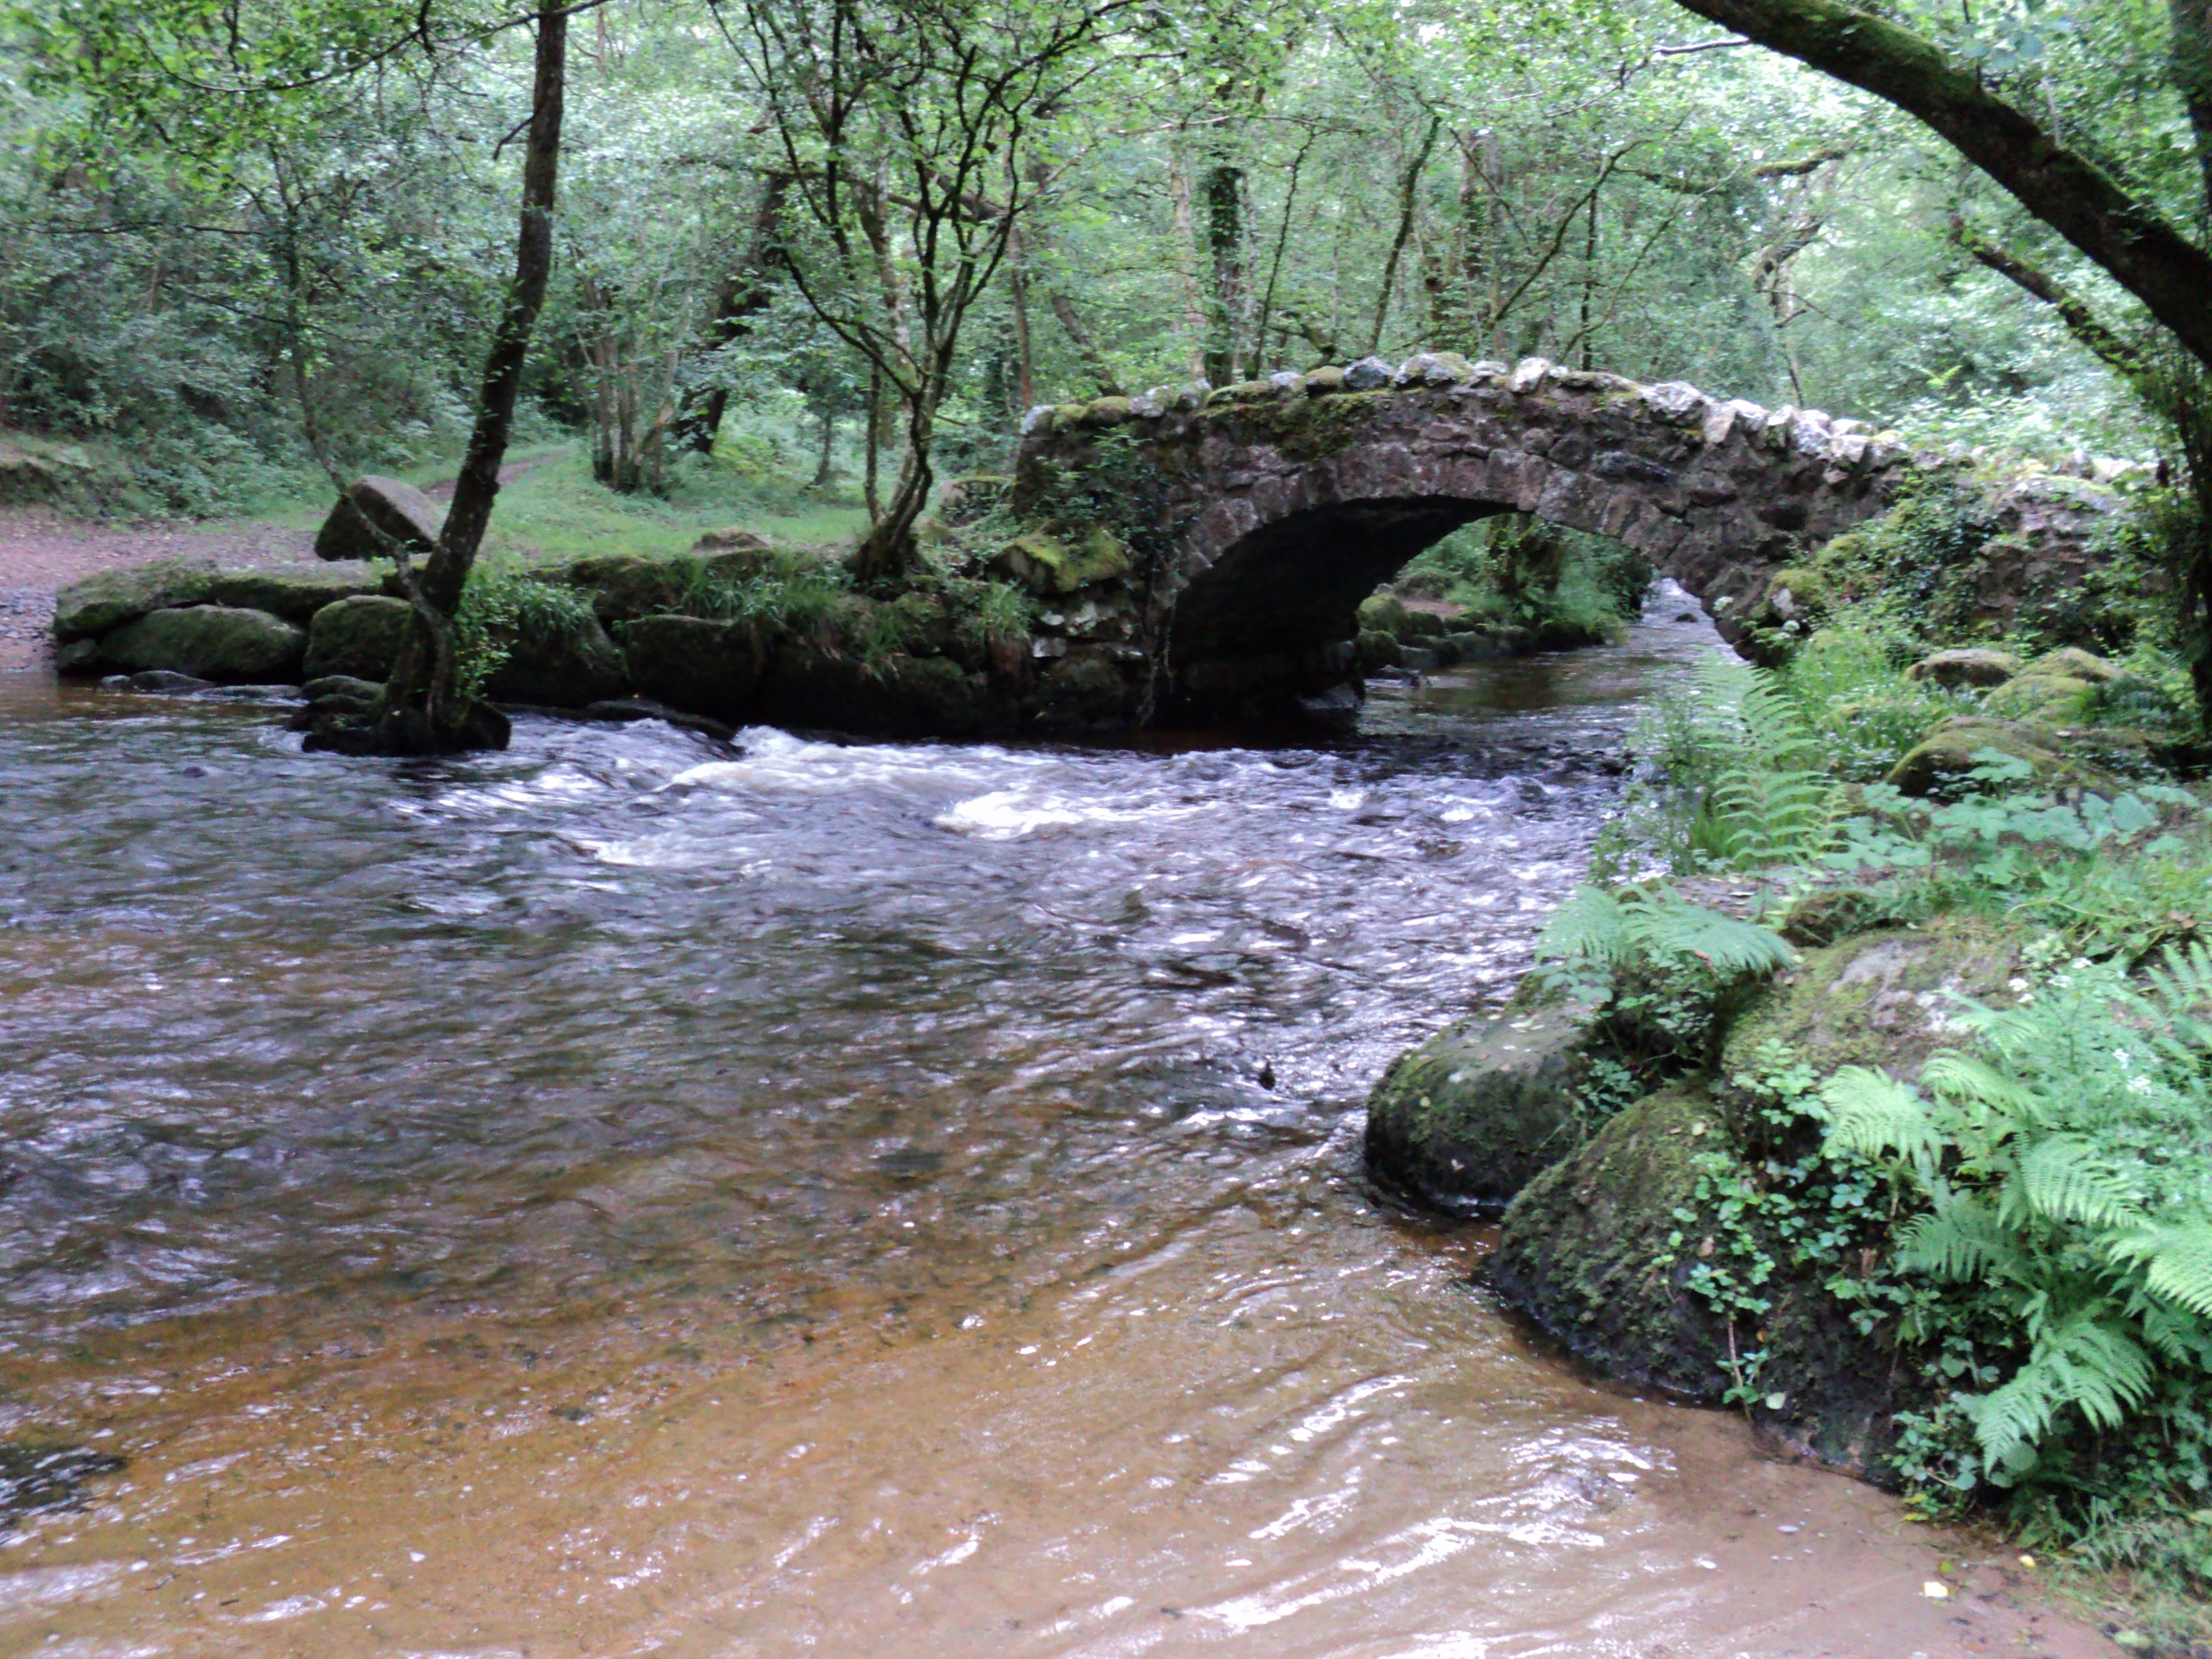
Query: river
column 632, row 1195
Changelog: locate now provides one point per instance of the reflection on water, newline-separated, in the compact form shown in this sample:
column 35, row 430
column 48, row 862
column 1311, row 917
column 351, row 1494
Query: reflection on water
column 635, row 1194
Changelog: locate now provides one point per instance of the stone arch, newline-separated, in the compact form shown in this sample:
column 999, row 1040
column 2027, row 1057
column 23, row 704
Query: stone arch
column 1275, row 507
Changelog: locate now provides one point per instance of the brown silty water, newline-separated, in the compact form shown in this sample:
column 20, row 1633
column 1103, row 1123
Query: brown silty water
column 632, row 1196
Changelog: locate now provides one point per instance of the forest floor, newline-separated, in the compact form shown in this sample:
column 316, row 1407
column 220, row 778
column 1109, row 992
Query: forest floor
column 548, row 506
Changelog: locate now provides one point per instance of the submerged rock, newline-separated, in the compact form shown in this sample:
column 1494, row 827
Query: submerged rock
column 215, row 642
column 1467, row 1119
column 359, row 637
column 393, row 505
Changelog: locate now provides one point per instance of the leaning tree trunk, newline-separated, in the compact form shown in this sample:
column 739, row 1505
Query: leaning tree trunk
column 423, row 710
column 888, row 553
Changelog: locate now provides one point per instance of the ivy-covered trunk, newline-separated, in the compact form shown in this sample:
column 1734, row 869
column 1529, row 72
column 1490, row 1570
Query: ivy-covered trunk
column 424, row 711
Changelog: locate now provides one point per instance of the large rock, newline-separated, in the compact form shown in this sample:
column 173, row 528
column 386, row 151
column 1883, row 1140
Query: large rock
column 1467, row 1119
column 624, row 585
column 895, row 696
column 215, row 642
column 1969, row 665
column 293, row 592
column 393, row 505
column 112, row 597
column 1943, row 762
column 1601, row 1251
column 706, row 667
column 564, row 670
column 2042, row 699
column 359, row 637
column 2071, row 662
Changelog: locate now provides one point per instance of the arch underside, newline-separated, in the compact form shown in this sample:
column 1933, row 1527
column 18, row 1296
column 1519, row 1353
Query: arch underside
column 1269, row 625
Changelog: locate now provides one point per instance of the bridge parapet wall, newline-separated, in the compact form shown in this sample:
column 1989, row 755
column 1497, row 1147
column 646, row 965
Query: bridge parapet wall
column 1269, row 509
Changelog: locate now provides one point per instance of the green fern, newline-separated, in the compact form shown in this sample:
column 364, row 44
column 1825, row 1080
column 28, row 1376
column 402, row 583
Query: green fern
column 2043, row 1160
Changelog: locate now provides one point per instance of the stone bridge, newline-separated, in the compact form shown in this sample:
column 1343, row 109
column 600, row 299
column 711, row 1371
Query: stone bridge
column 1264, row 512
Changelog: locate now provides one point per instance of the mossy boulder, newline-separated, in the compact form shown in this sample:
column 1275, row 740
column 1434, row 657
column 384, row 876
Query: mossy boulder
column 1887, row 999
column 563, row 668
column 1969, row 665
column 295, row 593
column 395, row 507
column 1048, row 564
column 625, row 586
column 358, row 637
column 2071, row 662
column 1466, row 1120
column 109, row 599
column 220, row 643
column 2042, row 699
column 1375, row 651
column 896, row 696
column 705, row 667
column 1601, row 1251
column 1086, row 688
column 1383, row 613
column 1583, row 1249
column 1943, row 762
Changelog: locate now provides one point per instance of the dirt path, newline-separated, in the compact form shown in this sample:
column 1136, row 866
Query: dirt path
column 42, row 552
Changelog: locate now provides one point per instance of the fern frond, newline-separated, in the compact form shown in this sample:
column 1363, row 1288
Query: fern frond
column 2182, row 979
column 2062, row 1179
column 1590, row 927
column 1958, row 1078
column 2094, row 1366
column 1960, row 1240
column 1669, row 927
column 2176, row 1263
column 2016, row 1415
column 1871, row 1114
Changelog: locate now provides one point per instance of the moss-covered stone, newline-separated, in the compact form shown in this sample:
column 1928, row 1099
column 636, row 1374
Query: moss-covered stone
column 1967, row 666
column 295, row 594
column 1887, row 998
column 1086, row 688
column 1053, row 565
column 1943, row 760
column 2072, row 663
column 1581, row 1250
column 1600, row 1251
column 569, row 669
column 110, row 599
column 704, row 667
column 1465, row 1120
column 1375, row 651
column 624, row 585
column 895, row 696
column 359, row 637
column 215, row 642
column 1385, row 613
column 2042, row 700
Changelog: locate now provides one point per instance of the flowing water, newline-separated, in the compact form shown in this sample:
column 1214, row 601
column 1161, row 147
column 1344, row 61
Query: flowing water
column 633, row 1194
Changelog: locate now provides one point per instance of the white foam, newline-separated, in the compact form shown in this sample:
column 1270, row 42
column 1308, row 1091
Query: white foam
column 1004, row 814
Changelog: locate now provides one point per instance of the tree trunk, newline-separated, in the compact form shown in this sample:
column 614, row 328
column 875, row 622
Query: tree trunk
column 887, row 554
column 1408, row 203
column 743, row 294
column 423, row 710
column 1224, row 244
column 1017, row 281
column 1094, row 360
column 872, row 442
column 824, row 472
column 1186, row 242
